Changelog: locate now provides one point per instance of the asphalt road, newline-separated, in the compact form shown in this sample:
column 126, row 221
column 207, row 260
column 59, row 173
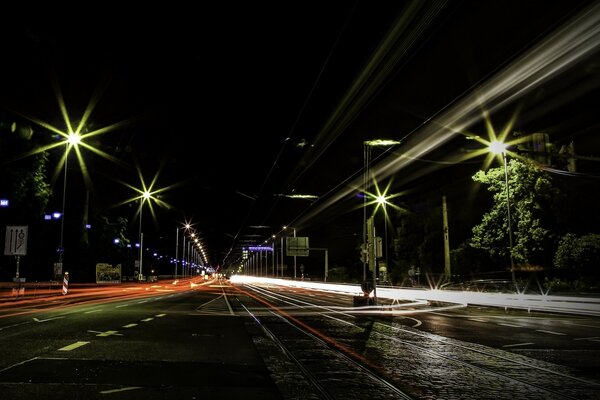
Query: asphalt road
column 152, row 345
column 215, row 340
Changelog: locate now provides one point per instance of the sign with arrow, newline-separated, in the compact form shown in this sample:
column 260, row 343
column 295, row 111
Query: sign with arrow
column 15, row 242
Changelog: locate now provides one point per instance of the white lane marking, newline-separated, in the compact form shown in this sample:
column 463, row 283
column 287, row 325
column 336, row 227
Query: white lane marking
column 147, row 319
column 120, row 390
column 550, row 332
column 73, row 346
column 21, row 363
column 477, row 320
column 93, row 311
column 143, row 301
column 160, row 315
column 122, row 305
column 509, row 325
column 129, row 325
column 107, row 333
column 592, row 338
column 518, row 344
column 47, row 319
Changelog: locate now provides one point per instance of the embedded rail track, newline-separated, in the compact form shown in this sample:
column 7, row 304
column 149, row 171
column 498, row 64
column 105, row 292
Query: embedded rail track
column 320, row 340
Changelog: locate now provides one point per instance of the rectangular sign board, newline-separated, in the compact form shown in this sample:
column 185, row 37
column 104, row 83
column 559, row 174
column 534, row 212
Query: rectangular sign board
column 296, row 246
column 107, row 273
column 15, row 242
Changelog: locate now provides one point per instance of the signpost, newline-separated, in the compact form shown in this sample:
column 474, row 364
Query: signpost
column 15, row 243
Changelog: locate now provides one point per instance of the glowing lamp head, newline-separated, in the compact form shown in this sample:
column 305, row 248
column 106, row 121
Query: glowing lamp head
column 74, row 138
column 146, row 195
column 497, row 147
column 381, row 200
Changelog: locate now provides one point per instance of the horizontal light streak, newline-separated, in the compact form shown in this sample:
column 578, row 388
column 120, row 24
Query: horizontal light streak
column 564, row 304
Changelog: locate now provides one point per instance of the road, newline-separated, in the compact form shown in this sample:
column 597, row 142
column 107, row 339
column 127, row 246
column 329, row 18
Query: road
column 216, row 340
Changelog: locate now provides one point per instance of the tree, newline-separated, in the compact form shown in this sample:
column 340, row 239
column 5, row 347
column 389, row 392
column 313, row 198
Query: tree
column 578, row 255
column 532, row 203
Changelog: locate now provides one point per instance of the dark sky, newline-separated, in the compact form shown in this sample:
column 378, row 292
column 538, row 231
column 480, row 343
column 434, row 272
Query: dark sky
column 238, row 103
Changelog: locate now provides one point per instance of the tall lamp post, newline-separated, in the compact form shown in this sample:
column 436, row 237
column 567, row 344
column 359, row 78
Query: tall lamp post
column 368, row 144
column 497, row 147
column 294, row 229
column 71, row 141
column 145, row 197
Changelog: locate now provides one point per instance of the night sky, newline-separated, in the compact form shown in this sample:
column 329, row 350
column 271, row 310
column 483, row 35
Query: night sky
column 236, row 105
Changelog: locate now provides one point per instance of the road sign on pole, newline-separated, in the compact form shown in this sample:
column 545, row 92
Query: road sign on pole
column 15, row 242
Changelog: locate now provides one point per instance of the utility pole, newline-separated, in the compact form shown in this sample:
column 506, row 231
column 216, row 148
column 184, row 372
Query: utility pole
column 447, row 271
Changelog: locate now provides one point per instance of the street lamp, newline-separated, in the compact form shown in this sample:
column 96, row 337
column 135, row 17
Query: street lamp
column 186, row 227
column 146, row 195
column 382, row 201
column 72, row 140
column 497, row 147
column 368, row 144
column 284, row 228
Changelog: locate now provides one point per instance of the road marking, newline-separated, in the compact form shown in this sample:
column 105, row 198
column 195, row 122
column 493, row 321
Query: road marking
column 477, row 320
column 509, row 325
column 147, row 319
column 160, row 315
column 93, row 311
column 73, row 346
column 107, row 333
column 129, row 325
column 143, row 301
column 518, row 344
column 122, row 305
column 593, row 338
column 47, row 319
column 550, row 332
column 120, row 390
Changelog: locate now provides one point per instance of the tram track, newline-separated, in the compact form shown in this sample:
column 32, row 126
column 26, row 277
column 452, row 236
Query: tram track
column 536, row 378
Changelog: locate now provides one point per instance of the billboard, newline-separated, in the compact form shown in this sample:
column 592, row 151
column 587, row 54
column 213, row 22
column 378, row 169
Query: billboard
column 107, row 273
column 296, row 246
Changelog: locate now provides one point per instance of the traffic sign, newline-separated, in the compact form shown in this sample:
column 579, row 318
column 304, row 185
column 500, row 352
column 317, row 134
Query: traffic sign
column 15, row 241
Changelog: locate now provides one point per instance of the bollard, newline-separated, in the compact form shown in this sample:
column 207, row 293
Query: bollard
column 65, row 287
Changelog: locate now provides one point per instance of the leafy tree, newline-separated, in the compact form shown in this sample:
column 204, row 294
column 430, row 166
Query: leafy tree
column 532, row 195
column 579, row 255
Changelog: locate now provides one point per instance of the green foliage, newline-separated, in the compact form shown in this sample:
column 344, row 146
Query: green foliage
column 31, row 190
column 418, row 242
column 531, row 200
column 579, row 255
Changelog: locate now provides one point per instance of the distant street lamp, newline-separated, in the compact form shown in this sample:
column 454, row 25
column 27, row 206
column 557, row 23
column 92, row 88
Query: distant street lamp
column 497, row 147
column 186, row 227
column 284, row 228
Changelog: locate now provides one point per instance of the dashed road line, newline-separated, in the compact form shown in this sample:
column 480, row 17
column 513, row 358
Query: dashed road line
column 160, row 315
column 147, row 319
column 551, row 332
column 92, row 311
column 73, row 346
column 592, row 338
column 129, row 325
column 477, row 320
column 518, row 344
column 120, row 390
column 509, row 325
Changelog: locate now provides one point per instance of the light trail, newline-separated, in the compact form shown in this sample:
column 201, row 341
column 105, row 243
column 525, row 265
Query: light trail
column 567, row 47
column 529, row 302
